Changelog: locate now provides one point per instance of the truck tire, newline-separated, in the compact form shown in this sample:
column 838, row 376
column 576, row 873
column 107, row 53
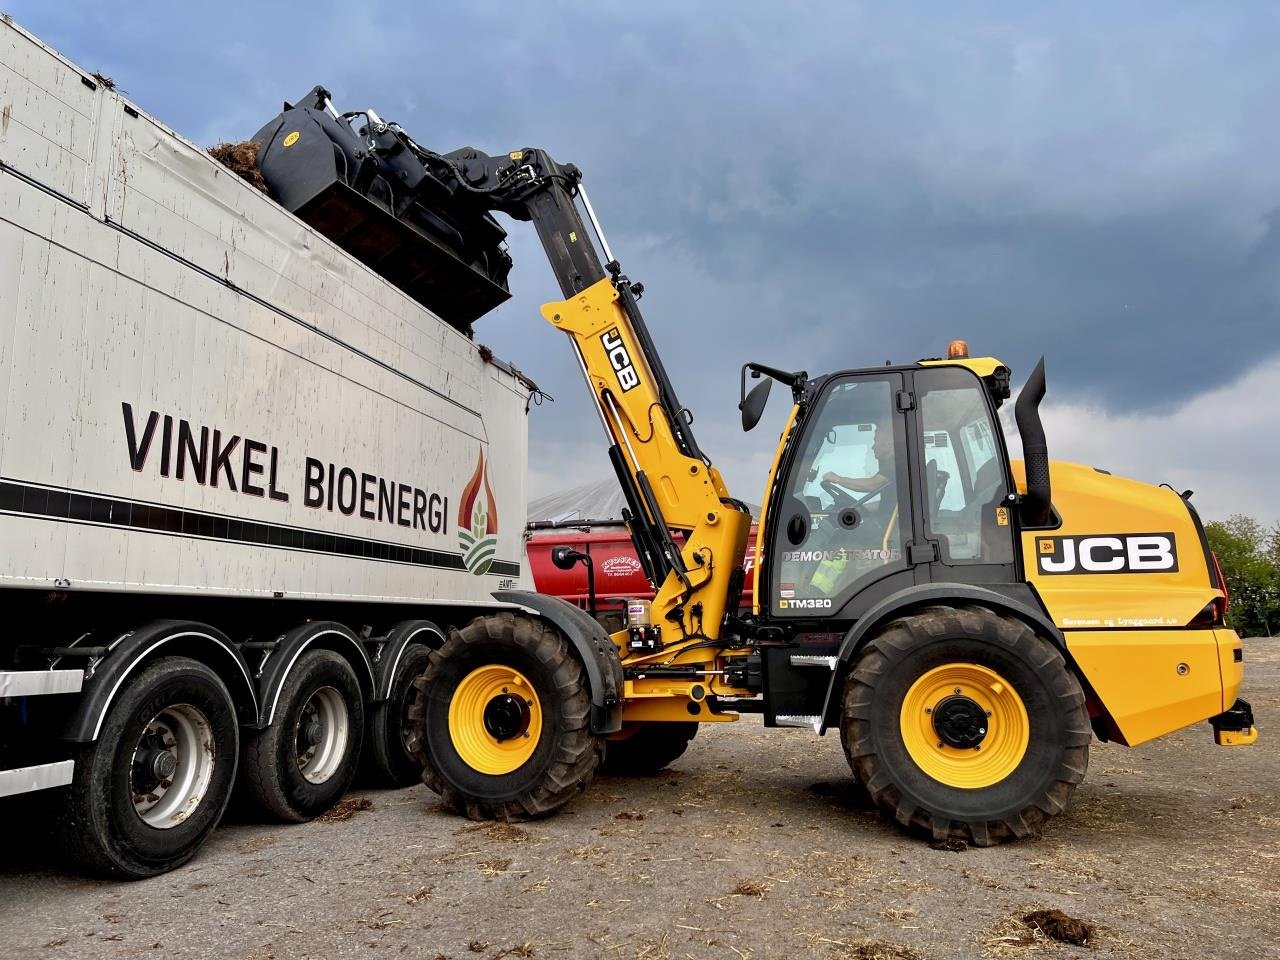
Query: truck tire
column 390, row 733
column 503, row 711
column 963, row 723
column 644, row 749
column 149, row 791
column 302, row 764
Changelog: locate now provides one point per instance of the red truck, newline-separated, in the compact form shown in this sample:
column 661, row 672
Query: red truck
column 613, row 571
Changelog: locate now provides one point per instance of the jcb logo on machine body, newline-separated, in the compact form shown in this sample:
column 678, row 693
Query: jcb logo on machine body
column 620, row 360
column 1108, row 553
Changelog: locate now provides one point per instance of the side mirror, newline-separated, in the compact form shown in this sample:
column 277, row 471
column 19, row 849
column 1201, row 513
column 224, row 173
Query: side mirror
column 752, row 405
column 566, row 557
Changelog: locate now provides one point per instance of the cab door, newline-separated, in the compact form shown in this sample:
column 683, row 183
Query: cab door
column 965, row 507
column 844, row 508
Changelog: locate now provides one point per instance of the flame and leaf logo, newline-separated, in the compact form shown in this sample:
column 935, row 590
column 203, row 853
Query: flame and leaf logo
column 478, row 521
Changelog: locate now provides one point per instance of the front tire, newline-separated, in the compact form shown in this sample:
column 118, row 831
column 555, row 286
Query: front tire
column 149, row 791
column 933, row 691
column 302, row 764
column 503, row 720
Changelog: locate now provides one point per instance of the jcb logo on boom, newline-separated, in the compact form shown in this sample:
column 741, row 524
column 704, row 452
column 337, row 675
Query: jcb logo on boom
column 628, row 379
column 1108, row 553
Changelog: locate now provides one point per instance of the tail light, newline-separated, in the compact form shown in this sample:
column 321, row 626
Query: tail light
column 1214, row 613
column 1226, row 591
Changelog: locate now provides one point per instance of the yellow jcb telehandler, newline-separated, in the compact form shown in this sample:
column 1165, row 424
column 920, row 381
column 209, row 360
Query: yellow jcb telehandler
column 968, row 622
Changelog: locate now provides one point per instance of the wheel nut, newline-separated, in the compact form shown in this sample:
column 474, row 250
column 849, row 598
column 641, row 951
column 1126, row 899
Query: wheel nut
column 928, row 709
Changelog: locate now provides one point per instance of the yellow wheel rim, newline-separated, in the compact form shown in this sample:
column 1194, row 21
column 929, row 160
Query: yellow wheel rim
column 965, row 726
column 495, row 719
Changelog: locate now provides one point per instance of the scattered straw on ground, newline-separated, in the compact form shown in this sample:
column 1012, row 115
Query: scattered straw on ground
column 254, row 844
column 494, row 866
column 497, row 830
column 241, row 159
column 872, row 950
column 1058, row 926
column 1037, row 928
column 519, row 950
column 752, row 888
column 345, row 810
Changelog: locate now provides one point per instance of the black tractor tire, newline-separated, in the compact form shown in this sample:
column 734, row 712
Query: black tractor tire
column 389, row 732
column 650, row 748
column 1057, row 750
column 566, row 754
column 96, row 823
column 320, row 686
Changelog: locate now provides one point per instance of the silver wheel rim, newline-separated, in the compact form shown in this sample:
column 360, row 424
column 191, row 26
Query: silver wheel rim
column 321, row 734
column 172, row 766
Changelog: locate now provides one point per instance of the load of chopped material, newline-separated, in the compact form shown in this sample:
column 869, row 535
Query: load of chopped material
column 1056, row 925
column 241, row 159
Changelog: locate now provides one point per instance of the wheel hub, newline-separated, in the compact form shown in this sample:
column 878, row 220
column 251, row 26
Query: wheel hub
column 164, row 765
column 172, row 765
column 960, row 722
column 506, row 717
column 312, row 733
column 495, row 719
column 964, row 725
column 321, row 735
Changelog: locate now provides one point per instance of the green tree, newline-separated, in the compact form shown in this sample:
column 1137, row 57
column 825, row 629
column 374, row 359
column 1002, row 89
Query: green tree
column 1249, row 555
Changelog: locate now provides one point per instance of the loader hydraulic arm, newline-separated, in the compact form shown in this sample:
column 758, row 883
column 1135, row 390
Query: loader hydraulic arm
column 668, row 483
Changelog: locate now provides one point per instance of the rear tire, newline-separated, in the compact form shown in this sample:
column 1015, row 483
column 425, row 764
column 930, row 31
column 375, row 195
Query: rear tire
column 503, row 714
column 649, row 748
column 302, row 764
column 1036, row 729
column 391, row 734
column 149, row 791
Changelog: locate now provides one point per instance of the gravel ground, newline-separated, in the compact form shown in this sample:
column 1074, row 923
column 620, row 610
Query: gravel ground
column 754, row 844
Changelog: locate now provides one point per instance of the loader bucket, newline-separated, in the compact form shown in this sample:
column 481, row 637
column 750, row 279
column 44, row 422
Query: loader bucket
column 386, row 210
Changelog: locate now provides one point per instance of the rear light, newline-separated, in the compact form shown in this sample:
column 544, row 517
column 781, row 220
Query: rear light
column 1214, row 613
column 1222, row 581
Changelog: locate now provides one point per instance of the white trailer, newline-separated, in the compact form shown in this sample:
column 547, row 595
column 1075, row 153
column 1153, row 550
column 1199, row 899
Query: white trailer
column 245, row 483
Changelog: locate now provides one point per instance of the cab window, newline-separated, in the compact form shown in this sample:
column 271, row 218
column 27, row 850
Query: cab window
column 965, row 480
column 841, row 524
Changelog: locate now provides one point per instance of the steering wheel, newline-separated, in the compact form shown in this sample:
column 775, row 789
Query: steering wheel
column 841, row 498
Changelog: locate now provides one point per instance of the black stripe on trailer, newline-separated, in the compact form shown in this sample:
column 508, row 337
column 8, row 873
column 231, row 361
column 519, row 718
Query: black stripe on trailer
column 76, row 506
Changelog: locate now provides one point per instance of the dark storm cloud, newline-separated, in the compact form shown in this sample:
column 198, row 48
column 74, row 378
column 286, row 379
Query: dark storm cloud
column 817, row 184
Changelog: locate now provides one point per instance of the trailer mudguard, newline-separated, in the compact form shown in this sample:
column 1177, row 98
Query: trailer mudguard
column 1017, row 600
column 397, row 641
column 596, row 651
column 326, row 634
column 162, row 638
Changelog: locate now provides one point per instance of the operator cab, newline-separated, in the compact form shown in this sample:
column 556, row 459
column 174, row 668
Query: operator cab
column 892, row 477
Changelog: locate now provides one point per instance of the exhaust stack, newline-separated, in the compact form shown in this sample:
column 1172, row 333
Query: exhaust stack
column 1035, row 506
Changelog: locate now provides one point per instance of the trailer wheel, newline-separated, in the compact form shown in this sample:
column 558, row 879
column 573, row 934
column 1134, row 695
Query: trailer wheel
column 391, row 734
column 302, row 764
column 503, row 711
column 643, row 749
column 149, row 791
column 963, row 723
